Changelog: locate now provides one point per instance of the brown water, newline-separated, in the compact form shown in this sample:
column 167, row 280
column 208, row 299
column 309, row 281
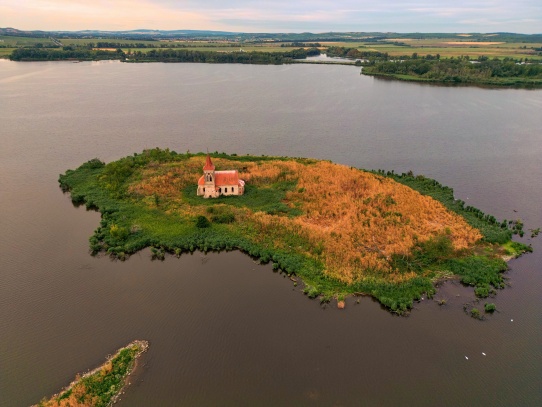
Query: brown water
column 225, row 331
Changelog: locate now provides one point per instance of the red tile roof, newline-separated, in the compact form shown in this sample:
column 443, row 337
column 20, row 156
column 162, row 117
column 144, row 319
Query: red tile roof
column 224, row 178
column 209, row 166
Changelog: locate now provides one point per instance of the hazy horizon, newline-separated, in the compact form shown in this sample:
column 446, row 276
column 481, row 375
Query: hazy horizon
column 280, row 16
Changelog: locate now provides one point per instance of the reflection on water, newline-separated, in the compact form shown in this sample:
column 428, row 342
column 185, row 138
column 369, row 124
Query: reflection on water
column 224, row 330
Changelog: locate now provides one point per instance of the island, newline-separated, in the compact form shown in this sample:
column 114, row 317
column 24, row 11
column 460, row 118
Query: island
column 336, row 229
column 102, row 386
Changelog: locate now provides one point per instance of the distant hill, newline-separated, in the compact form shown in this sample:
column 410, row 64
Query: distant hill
column 144, row 33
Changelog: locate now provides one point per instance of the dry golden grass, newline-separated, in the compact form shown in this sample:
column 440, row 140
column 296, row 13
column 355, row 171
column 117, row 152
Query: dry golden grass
column 363, row 219
column 358, row 220
column 77, row 398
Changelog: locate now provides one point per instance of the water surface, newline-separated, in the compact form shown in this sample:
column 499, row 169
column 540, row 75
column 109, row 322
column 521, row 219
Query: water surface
column 224, row 330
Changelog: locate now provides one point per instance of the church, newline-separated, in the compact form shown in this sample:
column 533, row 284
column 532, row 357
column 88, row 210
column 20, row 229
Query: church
column 213, row 183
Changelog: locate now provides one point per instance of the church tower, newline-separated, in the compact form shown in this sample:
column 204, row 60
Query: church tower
column 209, row 186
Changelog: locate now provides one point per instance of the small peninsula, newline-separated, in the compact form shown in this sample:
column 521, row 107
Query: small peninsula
column 102, row 386
column 341, row 230
column 461, row 70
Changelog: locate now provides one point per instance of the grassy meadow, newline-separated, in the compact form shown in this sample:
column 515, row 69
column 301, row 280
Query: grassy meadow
column 14, row 42
column 341, row 230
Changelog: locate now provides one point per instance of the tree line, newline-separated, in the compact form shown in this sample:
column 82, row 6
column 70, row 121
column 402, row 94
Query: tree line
column 354, row 53
column 161, row 55
column 66, row 53
column 182, row 55
column 460, row 69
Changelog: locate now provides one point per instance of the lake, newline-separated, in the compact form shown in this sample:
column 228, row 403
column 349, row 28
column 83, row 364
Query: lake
column 225, row 331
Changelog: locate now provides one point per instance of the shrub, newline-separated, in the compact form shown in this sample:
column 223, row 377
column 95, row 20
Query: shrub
column 223, row 218
column 490, row 307
column 481, row 292
column 311, row 291
column 93, row 164
column 475, row 313
column 118, row 232
column 202, row 222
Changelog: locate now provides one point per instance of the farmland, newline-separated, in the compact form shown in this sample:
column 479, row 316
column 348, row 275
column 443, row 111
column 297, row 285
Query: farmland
column 514, row 46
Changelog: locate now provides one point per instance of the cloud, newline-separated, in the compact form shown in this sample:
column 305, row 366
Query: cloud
column 275, row 16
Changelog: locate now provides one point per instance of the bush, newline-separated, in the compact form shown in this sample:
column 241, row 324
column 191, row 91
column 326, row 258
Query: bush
column 475, row 313
column 490, row 307
column 202, row 222
column 311, row 291
column 481, row 292
column 223, row 218
column 118, row 232
column 93, row 164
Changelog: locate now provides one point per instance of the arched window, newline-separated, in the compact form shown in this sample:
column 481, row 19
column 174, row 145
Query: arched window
column 226, row 189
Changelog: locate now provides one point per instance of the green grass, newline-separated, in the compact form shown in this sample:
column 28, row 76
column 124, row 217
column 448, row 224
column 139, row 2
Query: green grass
column 515, row 249
column 268, row 199
column 10, row 41
column 129, row 225
column 6, row 52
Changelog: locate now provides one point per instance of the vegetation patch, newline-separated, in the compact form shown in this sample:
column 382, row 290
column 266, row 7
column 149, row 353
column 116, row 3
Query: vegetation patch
column 485, row 71
column 340, row 229
column 490, row 307
column 101, row 386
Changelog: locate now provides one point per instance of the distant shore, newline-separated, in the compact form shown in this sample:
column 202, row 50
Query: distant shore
column 460, row 71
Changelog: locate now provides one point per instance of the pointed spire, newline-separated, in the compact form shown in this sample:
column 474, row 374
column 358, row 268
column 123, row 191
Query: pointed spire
column 209, row 166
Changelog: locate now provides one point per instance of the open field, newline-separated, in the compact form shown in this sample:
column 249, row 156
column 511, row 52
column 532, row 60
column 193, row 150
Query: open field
column 492, row 46
column 448, row 48
column 6, row 52
column 9, row 41
column 86, row 41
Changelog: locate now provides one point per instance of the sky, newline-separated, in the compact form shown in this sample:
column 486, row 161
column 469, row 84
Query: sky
column 520, row 16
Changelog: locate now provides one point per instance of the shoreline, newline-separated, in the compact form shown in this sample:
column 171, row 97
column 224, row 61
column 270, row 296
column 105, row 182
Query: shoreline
column 512, row 84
